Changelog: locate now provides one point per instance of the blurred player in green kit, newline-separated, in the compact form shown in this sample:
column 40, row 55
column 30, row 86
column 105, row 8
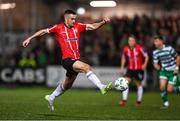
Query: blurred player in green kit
column 166, row 61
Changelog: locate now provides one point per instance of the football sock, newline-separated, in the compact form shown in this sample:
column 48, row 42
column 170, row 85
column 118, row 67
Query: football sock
column 177, row 89
column 93, row 78
column 57, row 92
column 177, row 85
column 139, row 93
column 164, row 95
column 125, row 94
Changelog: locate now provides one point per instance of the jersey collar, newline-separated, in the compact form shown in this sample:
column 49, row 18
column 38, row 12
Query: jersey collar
column 67, row 26
column 133, row 47
column 162, row 47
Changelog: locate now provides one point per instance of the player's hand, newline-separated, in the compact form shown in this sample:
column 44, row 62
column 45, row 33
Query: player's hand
column 176, row 70
column 106, row 20
column 26, row 42
column 143, row 67
column 157, row 67
column 122, row 71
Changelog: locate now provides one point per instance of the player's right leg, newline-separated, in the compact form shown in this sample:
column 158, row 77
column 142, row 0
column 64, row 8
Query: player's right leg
column 82, row 67
column 163, row 93
column 125, row 93
column 61, row 88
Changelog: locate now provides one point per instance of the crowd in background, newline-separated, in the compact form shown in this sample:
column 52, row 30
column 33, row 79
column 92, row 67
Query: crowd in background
column 102, row 47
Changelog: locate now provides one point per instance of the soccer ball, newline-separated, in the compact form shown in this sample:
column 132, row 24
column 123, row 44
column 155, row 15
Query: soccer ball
column 121, row 84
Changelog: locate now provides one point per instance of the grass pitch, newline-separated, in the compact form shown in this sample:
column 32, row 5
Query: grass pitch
column 28, row 103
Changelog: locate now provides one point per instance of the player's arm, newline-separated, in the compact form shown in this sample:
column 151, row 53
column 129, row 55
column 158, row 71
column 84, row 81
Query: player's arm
column 95, row 26
column 37, row 34
column 176, row 70
column 176, row 56
column 155, row 62
column 123, row 62
column 156, row 66
column 146, row 59
column 177, row 61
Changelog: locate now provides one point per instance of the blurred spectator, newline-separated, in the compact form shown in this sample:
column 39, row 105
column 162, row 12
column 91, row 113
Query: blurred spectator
column 27, row 61
column 31, row 62
column 23, row 60
column 41, row 57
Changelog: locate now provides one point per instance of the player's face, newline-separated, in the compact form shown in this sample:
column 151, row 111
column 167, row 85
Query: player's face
column 70, row 19
column 131, row 41
column 158, row 43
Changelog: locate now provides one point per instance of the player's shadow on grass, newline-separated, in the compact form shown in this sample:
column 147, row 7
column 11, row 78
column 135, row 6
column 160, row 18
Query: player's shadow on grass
column 63, row 116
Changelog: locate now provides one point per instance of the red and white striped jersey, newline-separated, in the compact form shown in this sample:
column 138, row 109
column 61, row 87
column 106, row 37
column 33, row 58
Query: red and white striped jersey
column 134, row 56
column 68, row 39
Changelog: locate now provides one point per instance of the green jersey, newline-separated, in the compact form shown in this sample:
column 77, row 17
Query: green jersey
column 166, row 56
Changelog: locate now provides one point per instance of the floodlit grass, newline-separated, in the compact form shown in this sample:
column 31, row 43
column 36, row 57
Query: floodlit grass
column 28, row 103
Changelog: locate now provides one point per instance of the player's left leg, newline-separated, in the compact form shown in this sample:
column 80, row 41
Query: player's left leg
column 82, row 67
column 61, row 88
column 177, row 84
column 176, row 89
column 170, row 88
column 173, row 83
column 139, row 76
column 139, row 93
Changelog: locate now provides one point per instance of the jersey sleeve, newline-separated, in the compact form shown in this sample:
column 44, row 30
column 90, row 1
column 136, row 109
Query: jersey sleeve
column 52, row 29
column 173, row 52
column 81, row 27
column 155, row 58
column 143, row 52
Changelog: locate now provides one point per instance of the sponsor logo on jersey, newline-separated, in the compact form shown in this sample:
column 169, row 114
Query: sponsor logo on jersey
column 72, row 39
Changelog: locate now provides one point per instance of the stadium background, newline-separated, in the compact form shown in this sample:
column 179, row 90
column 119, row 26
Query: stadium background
column 39, row 64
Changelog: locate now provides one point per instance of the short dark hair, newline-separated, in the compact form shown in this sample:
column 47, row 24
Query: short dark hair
column 132, row 35
column 158, row 37
column 68, row 11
